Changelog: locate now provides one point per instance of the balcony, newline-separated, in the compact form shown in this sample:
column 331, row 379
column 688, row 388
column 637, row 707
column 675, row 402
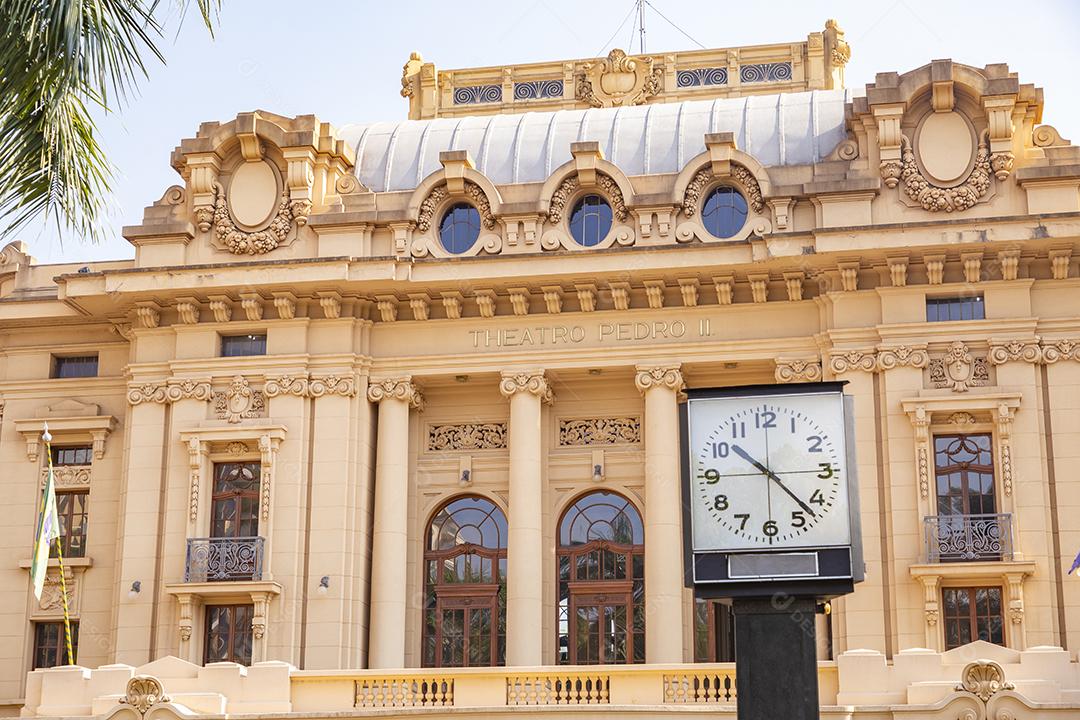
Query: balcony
column 968, row 538
column 221, row 559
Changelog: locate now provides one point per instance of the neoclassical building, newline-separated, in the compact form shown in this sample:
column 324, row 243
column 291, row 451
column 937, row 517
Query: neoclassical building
column 387, row 415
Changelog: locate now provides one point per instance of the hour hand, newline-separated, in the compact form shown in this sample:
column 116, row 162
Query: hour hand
column 746, row 456
column 772, row 476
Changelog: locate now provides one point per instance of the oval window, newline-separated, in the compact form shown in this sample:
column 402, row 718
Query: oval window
column 590, row 221
column 724, row 212
column 459, row 228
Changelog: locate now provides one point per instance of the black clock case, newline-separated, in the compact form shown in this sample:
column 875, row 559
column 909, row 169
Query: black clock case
column 838, row 568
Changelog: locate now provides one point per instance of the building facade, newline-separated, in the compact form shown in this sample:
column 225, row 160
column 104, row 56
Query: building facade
column 386, row 416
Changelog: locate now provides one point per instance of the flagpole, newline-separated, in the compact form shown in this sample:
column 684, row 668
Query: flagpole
column 47, row 437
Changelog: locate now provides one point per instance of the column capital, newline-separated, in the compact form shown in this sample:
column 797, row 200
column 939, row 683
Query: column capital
column 653, row 376
column 395, row 388
column 532, row 381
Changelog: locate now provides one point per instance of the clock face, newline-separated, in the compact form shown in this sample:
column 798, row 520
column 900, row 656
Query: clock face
column 768, row 472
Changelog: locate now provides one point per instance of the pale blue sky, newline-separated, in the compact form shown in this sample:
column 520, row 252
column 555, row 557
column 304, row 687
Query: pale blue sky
column 342, row 61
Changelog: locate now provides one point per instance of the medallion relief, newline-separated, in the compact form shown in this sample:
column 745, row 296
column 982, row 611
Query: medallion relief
column 619, row 80
column 958, row 369
column 239, row 401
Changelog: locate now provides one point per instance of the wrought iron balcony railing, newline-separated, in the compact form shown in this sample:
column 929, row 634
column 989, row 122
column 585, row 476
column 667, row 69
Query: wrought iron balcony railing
column 217, row 559
column 964, row 538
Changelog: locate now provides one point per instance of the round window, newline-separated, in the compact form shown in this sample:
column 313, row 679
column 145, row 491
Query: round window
column 459, row 228
column 590, row 221
column 724, row 212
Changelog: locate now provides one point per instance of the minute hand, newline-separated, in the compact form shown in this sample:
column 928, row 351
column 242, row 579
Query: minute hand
column 772, row 476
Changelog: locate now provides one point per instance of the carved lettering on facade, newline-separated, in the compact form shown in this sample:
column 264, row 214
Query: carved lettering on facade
column 599, row 431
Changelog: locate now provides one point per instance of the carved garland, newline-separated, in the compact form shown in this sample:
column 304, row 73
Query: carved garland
column 600, row 431
column 467, row 436
column 435, row 198
column 559, row 198
column 258, row 242
column 705, row 176
column 934, row 198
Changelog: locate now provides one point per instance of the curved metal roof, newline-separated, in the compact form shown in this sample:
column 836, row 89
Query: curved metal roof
column 784, row 129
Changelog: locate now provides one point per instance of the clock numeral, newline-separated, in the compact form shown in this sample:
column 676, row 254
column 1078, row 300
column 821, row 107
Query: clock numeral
column 766, row 419
column 738, row 430
column 770, row 528
column 797, row 518
column 826, row 471
column 817, row 498
column 744, row 517
column 712, row 476
column 720, row 449
column 815, row 443
column 792, row 426
column 720, row 503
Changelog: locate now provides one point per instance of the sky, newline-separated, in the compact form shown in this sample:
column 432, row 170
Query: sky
column 342, row 62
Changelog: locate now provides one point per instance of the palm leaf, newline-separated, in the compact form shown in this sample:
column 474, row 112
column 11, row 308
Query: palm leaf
column 60, row 62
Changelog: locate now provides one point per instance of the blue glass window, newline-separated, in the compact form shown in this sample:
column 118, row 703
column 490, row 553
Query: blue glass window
column 242, row 345
column 955, row 308
column 724, row 212
column 459, row 228
column 590, row 221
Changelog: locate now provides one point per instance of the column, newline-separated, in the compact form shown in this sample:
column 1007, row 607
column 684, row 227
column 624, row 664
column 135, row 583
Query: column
column 525, row 548
column 388, row 538
column 663, row 514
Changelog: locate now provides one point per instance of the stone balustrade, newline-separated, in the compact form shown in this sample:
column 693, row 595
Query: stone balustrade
column 984, row 679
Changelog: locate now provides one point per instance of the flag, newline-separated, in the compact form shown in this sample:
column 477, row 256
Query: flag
column 1076, row 564
column 48, row 529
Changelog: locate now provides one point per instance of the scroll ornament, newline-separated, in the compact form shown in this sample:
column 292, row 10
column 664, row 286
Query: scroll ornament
column 660, row 376
column 619, row 79
column 395, row 389
column 258, row 242
column 143, row 692
column 853, row 360
column 798, row 371
column 534, row 383
column 983, row 679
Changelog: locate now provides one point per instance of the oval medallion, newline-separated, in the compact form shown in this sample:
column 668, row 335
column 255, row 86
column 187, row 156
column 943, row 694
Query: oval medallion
column 253, row 193
column 946, row 147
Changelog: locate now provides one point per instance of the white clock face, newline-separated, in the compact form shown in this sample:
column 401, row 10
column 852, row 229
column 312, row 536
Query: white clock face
column 768, row 471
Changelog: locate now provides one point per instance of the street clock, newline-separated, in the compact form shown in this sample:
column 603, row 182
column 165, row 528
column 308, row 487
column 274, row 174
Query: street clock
column 770, row 492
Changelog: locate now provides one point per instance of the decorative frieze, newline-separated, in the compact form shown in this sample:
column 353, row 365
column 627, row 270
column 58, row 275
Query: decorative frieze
column 599, row 431
column 902, row 356
column 1010, row 350
column 332, row 385
column 958, row 369
column 285, row 385
column 66, row 477
column 467, row 436
column 843, row 361
column 1065, row 349
column 239, row 401
column 797, row 370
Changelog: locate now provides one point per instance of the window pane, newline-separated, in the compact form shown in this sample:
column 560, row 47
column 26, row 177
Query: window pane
column 590, row 220
column 75, row 367
column 50, row 644
column 959, row 308
column 460, row 228
column 73, row 455
column 724, row 212
column 241, row 345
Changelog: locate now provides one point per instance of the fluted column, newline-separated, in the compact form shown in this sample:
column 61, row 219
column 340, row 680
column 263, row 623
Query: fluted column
column 663, row 514
column 525, row 548
column 386, row 640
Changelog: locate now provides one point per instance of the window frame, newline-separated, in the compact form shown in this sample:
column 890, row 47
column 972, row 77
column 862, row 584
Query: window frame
column 60, row 646
column 446, row 214
column 580, row 204
column 251, row 337
column 948, row 302
column 65, row 512
column 57, row 453
column 59, row 361
column 973, row 616
column 730, row 190
column 233, row 634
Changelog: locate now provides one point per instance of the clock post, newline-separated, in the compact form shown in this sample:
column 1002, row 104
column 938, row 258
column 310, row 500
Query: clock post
column 771, row 523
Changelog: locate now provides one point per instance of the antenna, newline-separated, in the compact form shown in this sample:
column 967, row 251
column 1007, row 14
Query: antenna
column 641, row 23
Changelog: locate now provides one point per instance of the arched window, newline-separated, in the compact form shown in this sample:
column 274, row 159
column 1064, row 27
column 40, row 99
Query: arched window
column 465, row 585
column 590, row 221
column 459, row 228
column 601, row 555
column 724, row 212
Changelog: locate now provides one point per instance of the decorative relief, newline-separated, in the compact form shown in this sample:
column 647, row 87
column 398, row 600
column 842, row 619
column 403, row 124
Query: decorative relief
column 538, row 89
column 619, row 80
column 396, row 389
column 68, row 476
column 172, row 391
column 701, row 76
column 960, row 418
column 239, row 401
column 440, row 193
column 934, row 198
column 258, row 242
column 52, row 592
column 569, row 186
column 286, row 385
column 534, row 383
column 143, row 692
column 983, row 679
column 853, row 360
column 959, row 369
column 477, row 94
column 669, row 376
column 705, row 176
column 195, row 458
column 797, row 370
column 333, row 385
column 600, row 431
column 467, row 436
column 1004, row 418
column 1061, row 350
column 147, row 392
column 765, row 72
column 1026, row 350
column 902, row 356
column 920, row 420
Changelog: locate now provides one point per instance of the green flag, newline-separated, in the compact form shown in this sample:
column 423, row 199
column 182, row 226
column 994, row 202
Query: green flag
column 48, row 529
